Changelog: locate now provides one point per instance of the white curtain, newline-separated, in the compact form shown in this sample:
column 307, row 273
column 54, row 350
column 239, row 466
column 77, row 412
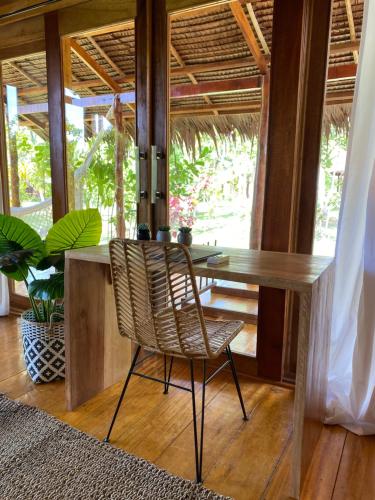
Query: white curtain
column 351, row 376
column 4, row 296
column 4, row 290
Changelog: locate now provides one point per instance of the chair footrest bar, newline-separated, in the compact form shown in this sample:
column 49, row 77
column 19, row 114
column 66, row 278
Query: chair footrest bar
column 148, row 377
column 218, row 370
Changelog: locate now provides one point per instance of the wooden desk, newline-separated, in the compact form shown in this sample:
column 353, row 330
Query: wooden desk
column 97, row 357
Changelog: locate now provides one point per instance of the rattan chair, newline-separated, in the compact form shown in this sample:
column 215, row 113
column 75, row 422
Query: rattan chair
column 158, row 307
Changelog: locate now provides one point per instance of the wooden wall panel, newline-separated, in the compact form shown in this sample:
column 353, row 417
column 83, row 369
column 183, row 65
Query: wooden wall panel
column 260, row 174
column 300, row 43
column 160, row 64
column 4, row 205
column 152, row 88
column 143, row 49
column 56, row 112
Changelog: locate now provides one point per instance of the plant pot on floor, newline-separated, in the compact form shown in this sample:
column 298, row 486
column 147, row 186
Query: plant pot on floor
column 43, row 347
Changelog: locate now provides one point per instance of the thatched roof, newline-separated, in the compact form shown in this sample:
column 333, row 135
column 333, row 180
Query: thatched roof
column 206, row 46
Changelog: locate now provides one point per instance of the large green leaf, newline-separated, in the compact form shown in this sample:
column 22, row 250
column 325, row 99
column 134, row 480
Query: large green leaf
column 78, row 229
column 14, row 264
column 56, row 260
column 15, row 236
column 48, row 289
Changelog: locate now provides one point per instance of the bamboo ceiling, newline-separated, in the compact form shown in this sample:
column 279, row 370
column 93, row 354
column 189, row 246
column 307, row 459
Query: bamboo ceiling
column 215, row 79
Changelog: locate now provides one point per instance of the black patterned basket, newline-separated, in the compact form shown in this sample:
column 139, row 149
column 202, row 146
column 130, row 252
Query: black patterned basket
column 43, row 347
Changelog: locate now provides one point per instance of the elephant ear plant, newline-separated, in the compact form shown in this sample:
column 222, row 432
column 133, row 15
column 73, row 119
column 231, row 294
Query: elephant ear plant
column 22, row 254
column 22, row 251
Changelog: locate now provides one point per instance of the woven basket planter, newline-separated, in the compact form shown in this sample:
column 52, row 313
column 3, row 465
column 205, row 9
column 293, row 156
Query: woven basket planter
column 43, row 347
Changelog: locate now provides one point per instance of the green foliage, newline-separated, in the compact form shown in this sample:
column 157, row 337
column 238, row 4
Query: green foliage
column 48, row 289
column 185, row 230
column 33, row 166
column 184, row 171
column 332, row 157
column 22, row 249
column 78, row 229
column 16, row 235
column 143, row 227
column 164, row 228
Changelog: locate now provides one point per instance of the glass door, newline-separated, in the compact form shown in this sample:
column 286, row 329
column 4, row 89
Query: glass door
column 27, row 177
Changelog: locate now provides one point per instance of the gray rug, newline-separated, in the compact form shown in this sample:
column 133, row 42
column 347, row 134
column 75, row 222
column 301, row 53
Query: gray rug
column 45, row 459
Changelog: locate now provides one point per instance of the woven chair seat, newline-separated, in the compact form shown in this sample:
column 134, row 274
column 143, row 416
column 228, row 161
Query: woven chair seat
column 158, row 304
column 219, row 335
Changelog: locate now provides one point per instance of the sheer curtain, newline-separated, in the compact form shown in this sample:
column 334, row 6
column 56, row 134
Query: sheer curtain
column 4, row 291
column 351, row 376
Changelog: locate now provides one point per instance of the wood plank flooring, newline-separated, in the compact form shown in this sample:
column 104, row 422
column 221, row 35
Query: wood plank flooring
column 245, row 460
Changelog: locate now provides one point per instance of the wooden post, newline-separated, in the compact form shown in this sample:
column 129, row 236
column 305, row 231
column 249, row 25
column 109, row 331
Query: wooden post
column 260, row 173
column 56, row 114
column 152, row 96
column 119, row 168
column 299, row 41
column 3, row 151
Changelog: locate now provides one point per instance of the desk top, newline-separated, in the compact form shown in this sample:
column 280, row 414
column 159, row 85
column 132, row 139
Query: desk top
column 287, row 271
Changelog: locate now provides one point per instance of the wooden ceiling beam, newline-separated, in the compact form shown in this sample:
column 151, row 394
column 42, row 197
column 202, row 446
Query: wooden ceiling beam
column 216, row 87
column 191, row 76
column 42, row 127
column 342, row 47
column 24, row 73
column 353, row 36
column 244, row 25
column 257, row 28
column 113, row 65
column 95, row 67
column 342, row 71
column 106, row 57
column 234, row 84
column 16, row 10
column 110, row 29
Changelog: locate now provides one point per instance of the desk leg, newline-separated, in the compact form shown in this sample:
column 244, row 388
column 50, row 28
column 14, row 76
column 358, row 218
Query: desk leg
column 96, row 355
column 311, row 381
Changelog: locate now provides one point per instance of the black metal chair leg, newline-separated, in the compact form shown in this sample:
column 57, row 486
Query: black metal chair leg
column 106, row 439
column 202, row 421
column 167, row 379
column 234, row 373
column 165, row 375
column 197, row 465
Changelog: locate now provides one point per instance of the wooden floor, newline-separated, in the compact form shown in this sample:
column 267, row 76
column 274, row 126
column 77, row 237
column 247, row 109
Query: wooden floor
column 246, row 460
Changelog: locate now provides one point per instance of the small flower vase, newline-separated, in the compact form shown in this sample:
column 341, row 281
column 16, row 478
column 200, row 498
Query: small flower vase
column 185, row 238
column 163, row 236
column 143, row 234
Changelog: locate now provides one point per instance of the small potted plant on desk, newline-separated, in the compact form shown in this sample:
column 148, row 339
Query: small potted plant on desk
column 143, row 232
column 22, row 251
column 184, row 236
column 164, row 234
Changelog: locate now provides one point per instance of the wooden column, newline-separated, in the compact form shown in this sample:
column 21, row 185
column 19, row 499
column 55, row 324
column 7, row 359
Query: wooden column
column 152, row 88
column 260, row 173
column 56, row 115
column 3, row 151
column 300, row 41
column 119, row 167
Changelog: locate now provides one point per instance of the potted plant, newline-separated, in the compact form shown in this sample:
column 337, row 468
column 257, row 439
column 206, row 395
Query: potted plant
column 184, row 236
column 164, row 234
column 22, row 254
column 143, row 232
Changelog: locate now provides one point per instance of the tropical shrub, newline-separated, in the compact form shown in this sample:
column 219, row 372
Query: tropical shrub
column 22, row 251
